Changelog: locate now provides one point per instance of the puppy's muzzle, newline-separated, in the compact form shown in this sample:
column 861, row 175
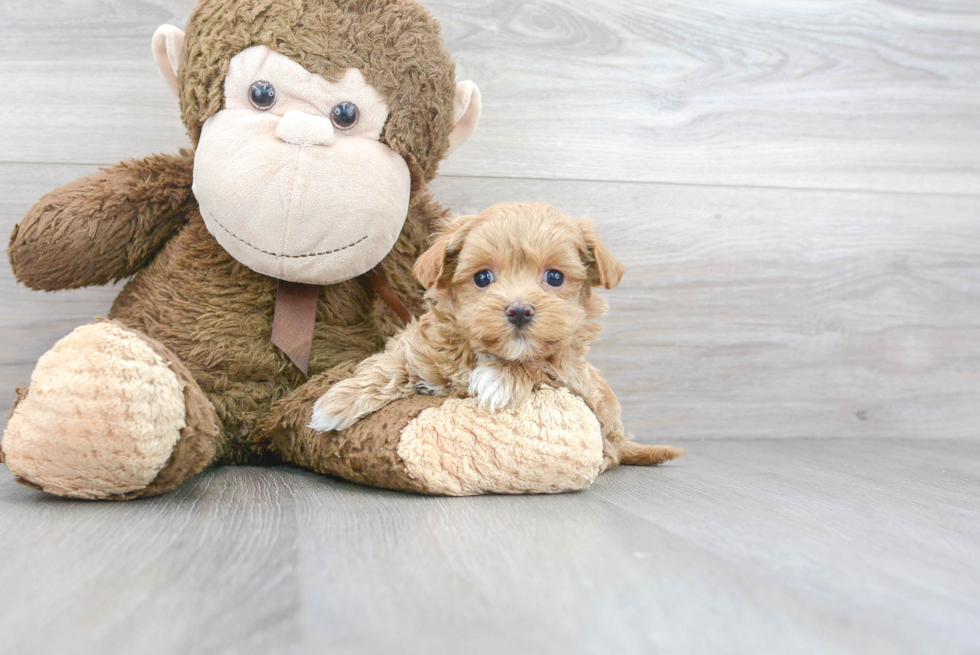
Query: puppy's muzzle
column 520, row 315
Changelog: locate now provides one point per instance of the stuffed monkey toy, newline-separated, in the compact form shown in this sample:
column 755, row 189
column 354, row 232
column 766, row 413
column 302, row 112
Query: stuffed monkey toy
column 264, row 265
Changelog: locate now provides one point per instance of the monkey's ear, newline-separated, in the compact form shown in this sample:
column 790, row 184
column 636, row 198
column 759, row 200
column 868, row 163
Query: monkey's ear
column 466, row 114
column 168, row 52
column 604, row 269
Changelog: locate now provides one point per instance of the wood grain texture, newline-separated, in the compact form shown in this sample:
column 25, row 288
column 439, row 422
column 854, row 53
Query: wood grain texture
column 805, row 546
column 744, row 313
column 847, row 94
column 780, row 313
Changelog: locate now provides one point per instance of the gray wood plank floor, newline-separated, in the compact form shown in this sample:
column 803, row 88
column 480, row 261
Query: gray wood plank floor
column 744, row 546
column 795, row 188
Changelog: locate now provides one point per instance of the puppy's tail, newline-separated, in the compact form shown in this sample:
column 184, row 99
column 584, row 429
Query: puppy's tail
column 635, row 454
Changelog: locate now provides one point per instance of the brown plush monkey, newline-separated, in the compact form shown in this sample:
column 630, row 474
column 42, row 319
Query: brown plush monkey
column 317, row 126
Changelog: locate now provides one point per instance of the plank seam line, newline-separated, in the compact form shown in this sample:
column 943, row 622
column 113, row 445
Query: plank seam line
column 892, row 192
column 717, row 186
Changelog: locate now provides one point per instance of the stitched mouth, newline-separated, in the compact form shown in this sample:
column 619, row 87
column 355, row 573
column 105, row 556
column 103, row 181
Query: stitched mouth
column 275, row 254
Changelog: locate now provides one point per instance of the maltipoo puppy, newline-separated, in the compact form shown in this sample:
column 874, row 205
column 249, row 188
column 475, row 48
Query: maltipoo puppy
column 510, row 307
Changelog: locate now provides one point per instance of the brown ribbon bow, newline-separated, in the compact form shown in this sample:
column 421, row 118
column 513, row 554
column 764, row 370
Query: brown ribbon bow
column 295, row 314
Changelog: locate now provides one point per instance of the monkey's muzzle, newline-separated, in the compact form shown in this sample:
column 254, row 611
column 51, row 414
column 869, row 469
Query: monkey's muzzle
column 300, row 202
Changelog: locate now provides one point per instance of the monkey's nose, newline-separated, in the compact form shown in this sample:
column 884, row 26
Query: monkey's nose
column 304, row 129
column 520, row 315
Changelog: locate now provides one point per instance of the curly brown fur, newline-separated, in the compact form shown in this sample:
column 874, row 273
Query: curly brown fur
column 471, row 341
column 366, row 453
column 140, row 217
column 103, row 227
column 216, row 315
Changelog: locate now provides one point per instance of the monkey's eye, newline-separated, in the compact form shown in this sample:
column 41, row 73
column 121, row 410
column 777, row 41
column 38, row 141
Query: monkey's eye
column 483, row 279
column 554, row 278
column 344, row 116
column 262, row 95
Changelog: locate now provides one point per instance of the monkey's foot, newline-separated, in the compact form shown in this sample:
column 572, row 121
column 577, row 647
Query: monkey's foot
column 110, row 413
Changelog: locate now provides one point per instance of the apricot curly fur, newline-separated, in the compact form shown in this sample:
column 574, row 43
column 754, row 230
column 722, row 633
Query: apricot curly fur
column 465, row 344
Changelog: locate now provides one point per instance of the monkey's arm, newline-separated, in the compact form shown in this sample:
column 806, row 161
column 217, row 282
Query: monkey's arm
column 448, row 446
column 104, row 227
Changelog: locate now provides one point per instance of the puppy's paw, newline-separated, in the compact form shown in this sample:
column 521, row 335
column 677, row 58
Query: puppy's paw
column 492, row 387
column 329, row 413
column 323, row 422
column 426, row 388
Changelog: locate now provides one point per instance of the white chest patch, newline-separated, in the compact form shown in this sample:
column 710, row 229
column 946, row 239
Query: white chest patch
column 491, row 387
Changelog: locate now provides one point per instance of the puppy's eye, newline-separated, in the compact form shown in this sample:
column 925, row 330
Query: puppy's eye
column 344, row 116
column 554, row 278
column 483, row 279
column 262, row 95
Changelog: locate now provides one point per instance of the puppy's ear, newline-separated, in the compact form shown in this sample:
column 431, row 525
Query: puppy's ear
column 434, row 267
column 604, row 269
column 430, row 266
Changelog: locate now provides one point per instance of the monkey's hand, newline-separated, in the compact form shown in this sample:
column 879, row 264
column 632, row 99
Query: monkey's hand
column 104, row 227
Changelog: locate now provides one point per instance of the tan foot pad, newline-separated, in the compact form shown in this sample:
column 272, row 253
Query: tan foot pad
column 101, row 417
column 551, row 443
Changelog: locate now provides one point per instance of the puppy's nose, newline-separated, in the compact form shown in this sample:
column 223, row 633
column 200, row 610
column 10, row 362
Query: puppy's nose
column 520, row 315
